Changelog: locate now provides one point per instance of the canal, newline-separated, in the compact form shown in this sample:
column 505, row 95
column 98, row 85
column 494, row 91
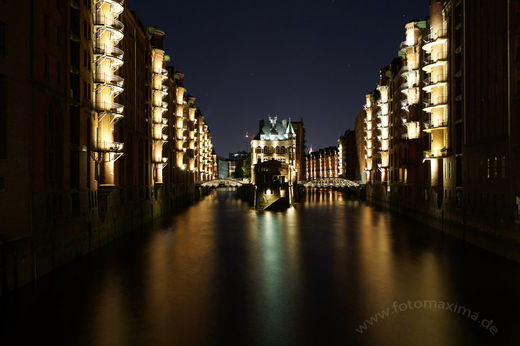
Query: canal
column 330, row 271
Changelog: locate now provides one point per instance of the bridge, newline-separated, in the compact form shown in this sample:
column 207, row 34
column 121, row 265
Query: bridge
column 331, row 182
column 225, row 182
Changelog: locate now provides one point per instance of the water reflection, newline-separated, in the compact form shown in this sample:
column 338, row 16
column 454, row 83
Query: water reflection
column 220, row 273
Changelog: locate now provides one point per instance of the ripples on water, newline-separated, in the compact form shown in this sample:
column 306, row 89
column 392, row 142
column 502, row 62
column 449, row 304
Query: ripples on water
column 219, row 273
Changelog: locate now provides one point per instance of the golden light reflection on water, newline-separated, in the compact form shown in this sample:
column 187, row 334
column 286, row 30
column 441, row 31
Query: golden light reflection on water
column 222, row 273
column 110, row 315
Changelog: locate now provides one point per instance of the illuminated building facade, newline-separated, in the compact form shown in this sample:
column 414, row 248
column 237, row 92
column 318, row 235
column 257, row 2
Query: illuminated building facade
column 276, row 140
column 359, row 129
column 371, row 143
column 299, row 129
column 159, row 104
column 449, row 98
column 101, row 113
column 108, row 32
column 323, row 163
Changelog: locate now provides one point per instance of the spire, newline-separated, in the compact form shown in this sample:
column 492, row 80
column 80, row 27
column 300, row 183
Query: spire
column 290, row 131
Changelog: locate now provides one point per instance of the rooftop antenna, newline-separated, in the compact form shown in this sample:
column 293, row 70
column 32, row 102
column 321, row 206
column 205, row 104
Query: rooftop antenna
column 246, row 136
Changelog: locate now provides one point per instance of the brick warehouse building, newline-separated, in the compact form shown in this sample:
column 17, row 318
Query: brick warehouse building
column 103, row 134
column 440, row 131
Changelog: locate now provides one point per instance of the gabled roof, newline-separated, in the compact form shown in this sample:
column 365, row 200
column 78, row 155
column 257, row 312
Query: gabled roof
column 276, row 130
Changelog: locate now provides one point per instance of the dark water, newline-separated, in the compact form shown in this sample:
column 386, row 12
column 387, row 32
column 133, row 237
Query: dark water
column 221, row 274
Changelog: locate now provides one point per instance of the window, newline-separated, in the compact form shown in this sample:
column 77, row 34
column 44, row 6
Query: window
column 85, row 58
column 46, row 66
column 2, row 38
column 58, row 72
column 46, row 26
column 58, row 37
column 89, row 64
column 3, row 117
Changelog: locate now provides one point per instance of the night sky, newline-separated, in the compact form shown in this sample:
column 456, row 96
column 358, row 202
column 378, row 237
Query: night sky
column 311, row 59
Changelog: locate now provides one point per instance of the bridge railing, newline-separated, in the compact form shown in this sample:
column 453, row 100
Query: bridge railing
column 225, row 182
column 331, row 182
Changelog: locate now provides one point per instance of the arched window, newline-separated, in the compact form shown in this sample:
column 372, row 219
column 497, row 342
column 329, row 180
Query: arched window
column 266, row 150
column 282, row 150
column 278, row 150
column 258, row 150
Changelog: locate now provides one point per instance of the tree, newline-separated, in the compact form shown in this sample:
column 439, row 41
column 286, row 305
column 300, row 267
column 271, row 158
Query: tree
column 243, row 169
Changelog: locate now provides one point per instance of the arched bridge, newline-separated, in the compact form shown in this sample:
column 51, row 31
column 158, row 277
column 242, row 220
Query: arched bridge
column 224, row 182
column 331, row 182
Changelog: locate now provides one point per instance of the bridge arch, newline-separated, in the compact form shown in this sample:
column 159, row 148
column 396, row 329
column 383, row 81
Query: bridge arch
column 227, row 182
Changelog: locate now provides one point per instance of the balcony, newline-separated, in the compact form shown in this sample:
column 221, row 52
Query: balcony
column 161, row 138
column 163, row 160
column 161, row 88
column 113, row 53
column 404, row 104
column 163, row 73
column 435, row 154
column 434, row 38
column 439, row 78
column 114, row 110
column 407, row 87
column 432, row 61
column 162, row 121
column 109, row 79
column 436, row 102
column 163, row 105
column 111, row 147
column 109, row 23
column 435, row 125
column 438, row 81
column 117, row 5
